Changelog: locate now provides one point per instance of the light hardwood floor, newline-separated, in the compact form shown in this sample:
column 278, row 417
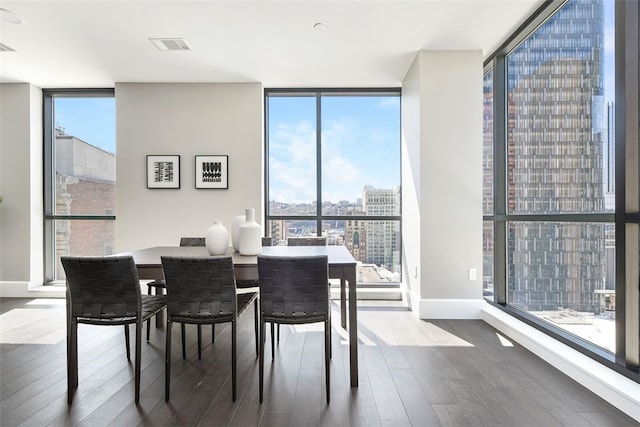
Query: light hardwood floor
column 412, row 372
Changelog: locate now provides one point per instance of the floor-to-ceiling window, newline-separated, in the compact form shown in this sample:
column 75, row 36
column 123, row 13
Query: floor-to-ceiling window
column 550, row 181
column 80, row 176
column 487, row 187
column 333, row 169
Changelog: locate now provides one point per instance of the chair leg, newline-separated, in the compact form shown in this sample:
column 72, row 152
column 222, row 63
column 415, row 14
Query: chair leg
column 261, row 359
column 199, row 342
column 72, row 361
column 213, row 333
column 327, row 347
column 126, row 339
column 330, row 325
column 184, row 352
column 278, row 332
column 273, row 352
column 167, row 360
column 343, row 303
column 148, row 328
column 138, row 359
column 255, row 324
column 233, row 359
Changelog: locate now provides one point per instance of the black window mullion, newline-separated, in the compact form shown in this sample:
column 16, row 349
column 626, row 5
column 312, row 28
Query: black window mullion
column 319, row 164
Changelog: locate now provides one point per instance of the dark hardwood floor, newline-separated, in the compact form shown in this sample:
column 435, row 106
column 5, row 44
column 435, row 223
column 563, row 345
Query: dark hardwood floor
column 412, row 372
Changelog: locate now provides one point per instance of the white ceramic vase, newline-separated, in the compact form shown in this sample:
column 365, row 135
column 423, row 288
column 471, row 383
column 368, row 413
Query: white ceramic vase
column 216, row 239
column 235, row 231
column 250, row 234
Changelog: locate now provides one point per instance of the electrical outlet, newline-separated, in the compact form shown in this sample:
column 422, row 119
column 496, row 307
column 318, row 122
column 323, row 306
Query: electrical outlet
column 473, row 274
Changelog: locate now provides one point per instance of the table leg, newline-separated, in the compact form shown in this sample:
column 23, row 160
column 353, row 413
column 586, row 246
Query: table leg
column 343, row 303
column 350, row 276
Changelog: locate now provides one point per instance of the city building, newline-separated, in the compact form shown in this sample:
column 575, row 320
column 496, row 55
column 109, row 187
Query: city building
column 380, row 240
column 556, row 141
column 85, row 182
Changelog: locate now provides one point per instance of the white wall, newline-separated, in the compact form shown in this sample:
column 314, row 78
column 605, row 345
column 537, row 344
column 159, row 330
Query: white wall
column 442, row 180
column 21, row 211
column 185, row 119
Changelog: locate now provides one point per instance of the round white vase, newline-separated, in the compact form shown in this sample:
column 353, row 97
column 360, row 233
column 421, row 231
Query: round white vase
column 235, row 231
column 216, row 239
column 250, row 235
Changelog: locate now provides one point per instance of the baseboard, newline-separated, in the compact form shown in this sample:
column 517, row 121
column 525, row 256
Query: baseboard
column 385, row 294
column 448, row 308
column 27, row 290
column 618, row 390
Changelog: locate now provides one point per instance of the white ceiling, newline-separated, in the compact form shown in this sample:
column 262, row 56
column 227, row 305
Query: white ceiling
column 91, row 43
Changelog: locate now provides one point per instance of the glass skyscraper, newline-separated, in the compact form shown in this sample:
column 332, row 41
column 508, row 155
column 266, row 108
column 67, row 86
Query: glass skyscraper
column 556, row 131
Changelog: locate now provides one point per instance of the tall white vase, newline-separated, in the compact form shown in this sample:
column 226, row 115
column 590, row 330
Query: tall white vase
column 216, row 239
column 250, row 234
column 235, row 231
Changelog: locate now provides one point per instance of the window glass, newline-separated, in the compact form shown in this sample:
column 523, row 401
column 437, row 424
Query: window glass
column 360, row 155
column 564, row 273
column 487, row 187
column 558, row 135
column 359, row 174
column 488, row 279
column 560, row 160
column 487, row 144
column 292, row 155
column 81, row 178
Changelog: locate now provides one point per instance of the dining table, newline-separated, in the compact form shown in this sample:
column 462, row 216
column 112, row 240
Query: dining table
column 342, row 266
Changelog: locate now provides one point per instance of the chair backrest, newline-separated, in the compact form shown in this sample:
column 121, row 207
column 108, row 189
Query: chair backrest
column 307, row 241
column 192, row 241
column 200, row 286
column 293, row 287
column 103, row 287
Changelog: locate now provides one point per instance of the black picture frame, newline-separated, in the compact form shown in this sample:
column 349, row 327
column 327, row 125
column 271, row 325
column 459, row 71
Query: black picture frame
column 212, row 172
column 163, row 171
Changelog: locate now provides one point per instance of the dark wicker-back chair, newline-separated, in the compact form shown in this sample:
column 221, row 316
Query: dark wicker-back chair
column 202, row 290
column 294, row 290
column 160, row 286
column 307, row 241
column 192, row 241
column 105, row 291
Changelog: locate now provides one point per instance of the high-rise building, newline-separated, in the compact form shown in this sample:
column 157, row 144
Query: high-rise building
column 355, row 237
column 555, row 161
column 382, row 238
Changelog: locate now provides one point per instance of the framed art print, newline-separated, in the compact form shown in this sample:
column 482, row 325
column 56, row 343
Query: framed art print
column 212, row 172
column 163, row 171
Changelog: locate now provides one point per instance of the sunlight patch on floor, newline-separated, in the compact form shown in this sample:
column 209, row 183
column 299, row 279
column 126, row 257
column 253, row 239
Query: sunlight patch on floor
column 504, row 341
column 392, row 329
column 33, row 326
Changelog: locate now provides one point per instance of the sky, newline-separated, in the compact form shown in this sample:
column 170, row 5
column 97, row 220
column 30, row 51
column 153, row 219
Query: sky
column 360, row 146
column 92, row 120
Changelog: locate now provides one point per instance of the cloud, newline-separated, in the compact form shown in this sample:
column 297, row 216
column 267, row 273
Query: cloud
column 292, row 165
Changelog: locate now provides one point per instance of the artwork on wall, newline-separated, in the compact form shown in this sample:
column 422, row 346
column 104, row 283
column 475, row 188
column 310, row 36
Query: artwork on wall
column 212, row 172
column 163, row 171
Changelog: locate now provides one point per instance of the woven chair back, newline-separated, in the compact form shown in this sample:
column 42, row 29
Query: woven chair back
column 294, row 288
column 307, row 241
column 200, row 286
column 192, row 241
column 103, row 287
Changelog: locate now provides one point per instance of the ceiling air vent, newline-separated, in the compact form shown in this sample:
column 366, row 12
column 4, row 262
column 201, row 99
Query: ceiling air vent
column 170, row 44
column 5, row 48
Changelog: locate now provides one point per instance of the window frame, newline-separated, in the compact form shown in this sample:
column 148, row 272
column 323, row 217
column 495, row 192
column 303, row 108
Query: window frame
column 49, row 179
column 319, row 218
column 626, row 357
